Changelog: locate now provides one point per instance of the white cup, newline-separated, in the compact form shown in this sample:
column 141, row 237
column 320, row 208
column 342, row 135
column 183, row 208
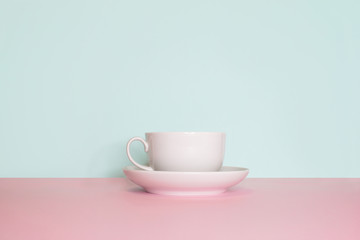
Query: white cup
column 182, row 151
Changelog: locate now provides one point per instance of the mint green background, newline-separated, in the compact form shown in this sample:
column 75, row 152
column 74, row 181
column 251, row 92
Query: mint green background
column 79, row 78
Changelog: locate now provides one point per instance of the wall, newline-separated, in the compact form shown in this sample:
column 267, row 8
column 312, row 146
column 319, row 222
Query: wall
column 79, row 78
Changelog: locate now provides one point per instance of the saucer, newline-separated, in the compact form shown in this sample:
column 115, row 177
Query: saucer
column 186, row 183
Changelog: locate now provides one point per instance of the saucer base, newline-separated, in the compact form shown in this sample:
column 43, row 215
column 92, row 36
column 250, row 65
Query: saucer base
column 185, row 193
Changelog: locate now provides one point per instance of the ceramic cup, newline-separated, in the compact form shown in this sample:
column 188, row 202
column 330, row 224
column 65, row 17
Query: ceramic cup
column 182, row 151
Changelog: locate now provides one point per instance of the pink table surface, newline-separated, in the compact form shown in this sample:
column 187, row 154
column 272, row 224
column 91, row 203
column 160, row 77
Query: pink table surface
column 114, row 208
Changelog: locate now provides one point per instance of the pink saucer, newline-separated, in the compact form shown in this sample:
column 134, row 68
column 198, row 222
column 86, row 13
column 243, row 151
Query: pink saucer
column 186, row 183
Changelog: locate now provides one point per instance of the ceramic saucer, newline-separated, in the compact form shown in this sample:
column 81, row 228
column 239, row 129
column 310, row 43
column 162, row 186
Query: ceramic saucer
column 186, row 183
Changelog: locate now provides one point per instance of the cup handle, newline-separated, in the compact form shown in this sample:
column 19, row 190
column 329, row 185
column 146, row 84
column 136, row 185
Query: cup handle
column 146, row 147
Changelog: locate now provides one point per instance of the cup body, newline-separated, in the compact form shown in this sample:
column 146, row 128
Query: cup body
column 186, row 151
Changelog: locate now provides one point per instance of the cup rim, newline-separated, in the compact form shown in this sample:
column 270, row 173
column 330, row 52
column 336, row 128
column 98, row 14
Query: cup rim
column 186, row 133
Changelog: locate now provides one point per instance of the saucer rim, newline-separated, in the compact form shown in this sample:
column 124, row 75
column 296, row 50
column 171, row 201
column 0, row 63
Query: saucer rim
column 231, row 169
